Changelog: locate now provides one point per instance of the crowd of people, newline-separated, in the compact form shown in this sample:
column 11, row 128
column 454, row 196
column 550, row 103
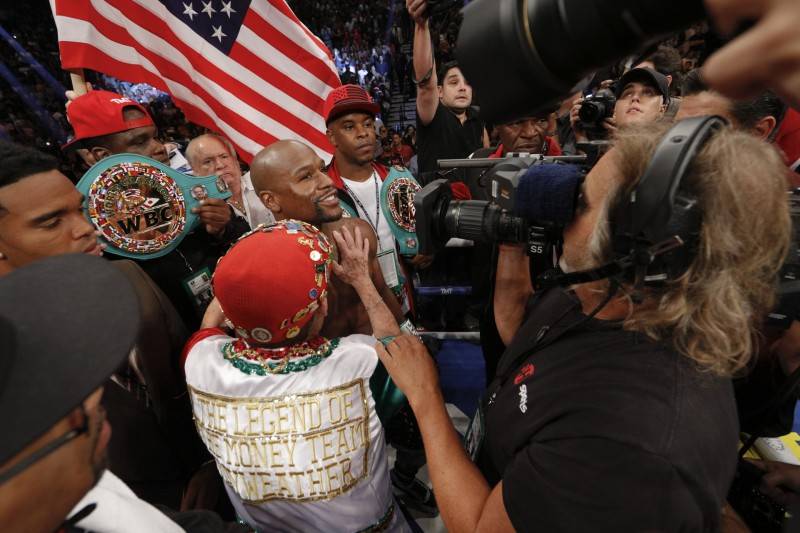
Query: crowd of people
column 243, row 353
column 359, row 37
column 17, row 121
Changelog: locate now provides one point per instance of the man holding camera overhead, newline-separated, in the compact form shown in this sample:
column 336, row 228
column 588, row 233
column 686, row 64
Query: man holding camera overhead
column 447, row 126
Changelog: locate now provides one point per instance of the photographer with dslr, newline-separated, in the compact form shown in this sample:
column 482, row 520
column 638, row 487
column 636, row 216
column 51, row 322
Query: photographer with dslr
column 641, row 96
column 613, row 407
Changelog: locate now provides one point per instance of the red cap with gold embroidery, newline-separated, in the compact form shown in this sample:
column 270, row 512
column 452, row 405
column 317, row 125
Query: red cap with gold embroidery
column 347, row 99
column 272, row 280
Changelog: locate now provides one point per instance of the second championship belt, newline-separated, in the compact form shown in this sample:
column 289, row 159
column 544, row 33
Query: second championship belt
column 397, row 203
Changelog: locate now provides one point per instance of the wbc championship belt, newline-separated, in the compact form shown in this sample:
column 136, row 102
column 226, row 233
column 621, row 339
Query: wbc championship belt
column 397, row 202
column 143, row 208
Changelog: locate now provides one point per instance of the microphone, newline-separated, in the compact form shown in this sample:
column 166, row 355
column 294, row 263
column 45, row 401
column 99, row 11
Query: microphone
column 548, row 193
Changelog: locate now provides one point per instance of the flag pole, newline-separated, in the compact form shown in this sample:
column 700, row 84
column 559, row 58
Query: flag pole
column 78, row 81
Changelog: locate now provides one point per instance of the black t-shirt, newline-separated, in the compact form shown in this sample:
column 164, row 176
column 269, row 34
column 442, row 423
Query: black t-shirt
column 605, row 430
column 446, row 138
column 198, row 250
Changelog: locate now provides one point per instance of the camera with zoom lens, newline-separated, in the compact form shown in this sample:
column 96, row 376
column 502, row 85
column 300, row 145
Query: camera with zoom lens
column 531, row 202
column 595, row 109
column 544, row 50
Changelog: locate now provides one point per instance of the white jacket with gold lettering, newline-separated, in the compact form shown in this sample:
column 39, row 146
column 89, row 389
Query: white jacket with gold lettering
column 299, row 444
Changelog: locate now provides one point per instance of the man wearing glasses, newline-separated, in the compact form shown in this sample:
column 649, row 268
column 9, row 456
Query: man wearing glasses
column 53, row 448
column 54, row 363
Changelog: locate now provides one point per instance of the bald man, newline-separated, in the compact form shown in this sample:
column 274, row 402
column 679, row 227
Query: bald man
column 289, row 180
column 210, row 154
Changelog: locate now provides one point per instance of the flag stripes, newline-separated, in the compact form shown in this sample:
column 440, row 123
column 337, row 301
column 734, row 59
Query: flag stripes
column 270, row 85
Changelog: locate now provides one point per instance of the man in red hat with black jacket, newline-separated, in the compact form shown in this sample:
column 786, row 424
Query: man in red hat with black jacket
column 152, row 450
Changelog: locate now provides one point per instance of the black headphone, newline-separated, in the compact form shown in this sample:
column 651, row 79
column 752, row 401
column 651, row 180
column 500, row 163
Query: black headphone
column 655, row 229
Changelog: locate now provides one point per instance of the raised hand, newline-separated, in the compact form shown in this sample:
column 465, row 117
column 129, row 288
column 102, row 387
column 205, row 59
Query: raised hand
column 353, row 265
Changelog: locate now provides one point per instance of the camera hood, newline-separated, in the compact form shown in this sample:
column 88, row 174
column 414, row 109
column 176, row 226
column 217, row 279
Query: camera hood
column 521, row 56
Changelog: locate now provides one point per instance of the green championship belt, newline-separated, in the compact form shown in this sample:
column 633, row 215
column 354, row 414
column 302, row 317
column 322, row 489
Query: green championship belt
column 397, row 204
column 347, row 210
column 143, row 208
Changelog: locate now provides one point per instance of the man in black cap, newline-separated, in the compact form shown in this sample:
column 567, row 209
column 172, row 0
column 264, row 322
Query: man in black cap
column 642, row 97
column 51, row 375
column 52, row 371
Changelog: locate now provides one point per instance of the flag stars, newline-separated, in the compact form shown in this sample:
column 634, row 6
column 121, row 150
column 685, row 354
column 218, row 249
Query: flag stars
column 218, row 33
column 227, row 9
column 188, row 10
column 224, row 22
column 208, row 9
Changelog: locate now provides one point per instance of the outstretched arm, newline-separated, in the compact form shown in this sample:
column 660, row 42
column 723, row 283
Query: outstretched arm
column 466, row 501
column 424, row 65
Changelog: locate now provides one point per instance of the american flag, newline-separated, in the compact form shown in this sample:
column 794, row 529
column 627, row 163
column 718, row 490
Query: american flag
column 248, row 69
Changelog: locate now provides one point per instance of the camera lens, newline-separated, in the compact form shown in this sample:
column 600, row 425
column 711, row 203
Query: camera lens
column 480, row 221
column 465, row 219
column 542, row 48
column 592, row 112
column 511, row 229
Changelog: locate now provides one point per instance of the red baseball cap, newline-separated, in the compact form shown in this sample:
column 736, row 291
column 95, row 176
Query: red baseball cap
column 99, row 113
column 346, row 99
column 272, row 280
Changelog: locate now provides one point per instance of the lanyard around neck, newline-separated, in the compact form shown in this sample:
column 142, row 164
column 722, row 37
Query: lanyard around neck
column 356, row 199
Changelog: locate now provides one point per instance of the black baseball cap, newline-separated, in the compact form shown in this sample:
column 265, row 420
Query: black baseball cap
column 66, row 323
column 543, row 112
column 647, row 76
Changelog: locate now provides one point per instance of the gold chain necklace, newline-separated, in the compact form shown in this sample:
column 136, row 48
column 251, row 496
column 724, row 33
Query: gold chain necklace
column 235, row 203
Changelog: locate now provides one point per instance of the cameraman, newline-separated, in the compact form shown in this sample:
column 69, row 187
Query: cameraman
column 779, row 351
column 642, row 96
column 615, row 411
